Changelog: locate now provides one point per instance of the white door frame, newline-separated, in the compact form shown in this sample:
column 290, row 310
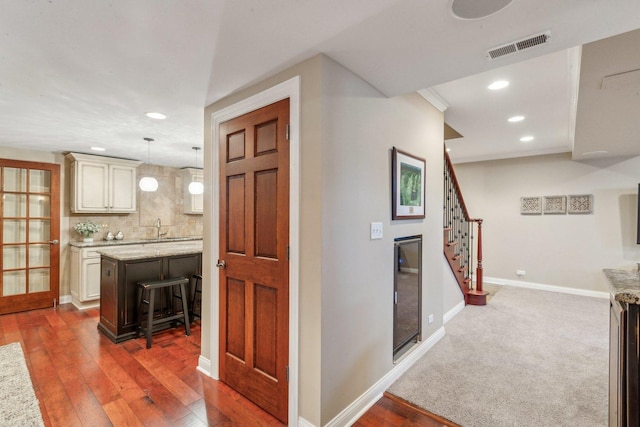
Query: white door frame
column 288, row 89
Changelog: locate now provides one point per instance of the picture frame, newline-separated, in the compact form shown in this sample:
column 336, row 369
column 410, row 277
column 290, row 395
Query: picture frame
column 407, row 185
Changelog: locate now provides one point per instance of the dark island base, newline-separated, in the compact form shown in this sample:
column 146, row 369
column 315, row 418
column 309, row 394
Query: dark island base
column 119, row 289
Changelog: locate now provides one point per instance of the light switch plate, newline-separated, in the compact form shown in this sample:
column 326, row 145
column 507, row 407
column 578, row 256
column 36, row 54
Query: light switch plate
column 376, row 230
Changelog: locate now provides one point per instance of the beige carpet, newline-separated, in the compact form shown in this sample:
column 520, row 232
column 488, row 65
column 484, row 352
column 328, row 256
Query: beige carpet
column 18, row 404
column 528, row 358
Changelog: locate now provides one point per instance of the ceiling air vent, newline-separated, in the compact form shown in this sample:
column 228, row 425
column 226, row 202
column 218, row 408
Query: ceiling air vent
column 518, row 45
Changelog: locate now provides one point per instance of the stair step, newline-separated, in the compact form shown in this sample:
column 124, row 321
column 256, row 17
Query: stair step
column 474, row 297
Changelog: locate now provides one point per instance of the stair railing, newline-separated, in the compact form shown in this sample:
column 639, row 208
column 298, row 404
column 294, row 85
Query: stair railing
column 459, row 234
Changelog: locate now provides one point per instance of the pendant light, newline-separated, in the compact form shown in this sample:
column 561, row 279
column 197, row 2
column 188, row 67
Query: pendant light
column 148, row 183
column 196, row 187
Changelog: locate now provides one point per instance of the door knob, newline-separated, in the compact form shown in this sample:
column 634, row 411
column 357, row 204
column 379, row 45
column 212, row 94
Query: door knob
column 54, row 242
column 221, row 264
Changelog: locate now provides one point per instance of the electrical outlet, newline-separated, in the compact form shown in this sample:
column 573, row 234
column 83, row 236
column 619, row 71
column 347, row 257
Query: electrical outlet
column 430, row 318
column 520, row 272
column 376, row 230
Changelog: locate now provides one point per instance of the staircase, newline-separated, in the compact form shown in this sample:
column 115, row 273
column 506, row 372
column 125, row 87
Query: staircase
column 459, row 229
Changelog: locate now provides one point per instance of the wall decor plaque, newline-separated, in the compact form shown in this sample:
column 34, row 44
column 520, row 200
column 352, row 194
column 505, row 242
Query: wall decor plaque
column 555, row 205
column 531, row 205
column 580, row 204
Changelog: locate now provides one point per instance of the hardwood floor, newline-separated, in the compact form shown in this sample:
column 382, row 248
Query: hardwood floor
column 83, row 379
column 393, row 411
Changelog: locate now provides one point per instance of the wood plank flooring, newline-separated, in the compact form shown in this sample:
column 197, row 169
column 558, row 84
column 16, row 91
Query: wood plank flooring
column 393, row 411
column 83, row 379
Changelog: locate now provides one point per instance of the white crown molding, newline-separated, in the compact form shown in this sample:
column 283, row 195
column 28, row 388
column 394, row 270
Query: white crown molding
column 434, row 99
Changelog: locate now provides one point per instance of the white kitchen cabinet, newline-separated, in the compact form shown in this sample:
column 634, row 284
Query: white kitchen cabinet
column 193, row 203
column 85, row 277
column 102, row 184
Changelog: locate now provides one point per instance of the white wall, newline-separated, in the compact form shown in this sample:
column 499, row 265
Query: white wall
column 560, row 250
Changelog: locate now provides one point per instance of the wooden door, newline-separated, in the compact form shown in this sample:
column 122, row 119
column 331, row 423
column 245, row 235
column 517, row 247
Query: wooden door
column 29, row 235
column 254, row 239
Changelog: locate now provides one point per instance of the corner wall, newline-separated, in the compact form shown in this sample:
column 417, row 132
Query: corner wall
column 360, row 128
column 559, row 250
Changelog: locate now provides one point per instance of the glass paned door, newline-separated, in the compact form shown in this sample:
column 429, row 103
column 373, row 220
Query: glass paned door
column 30, row 227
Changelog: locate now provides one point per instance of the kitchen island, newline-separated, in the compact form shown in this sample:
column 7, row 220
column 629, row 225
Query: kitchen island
column 624, row 342
column 122, row 268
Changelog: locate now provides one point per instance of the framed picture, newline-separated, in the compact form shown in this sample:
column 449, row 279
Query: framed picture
column 407, row 185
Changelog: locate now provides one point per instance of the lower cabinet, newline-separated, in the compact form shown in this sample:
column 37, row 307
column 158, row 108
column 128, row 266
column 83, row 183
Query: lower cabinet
column 85, row 277
column 624, row 365
column 119, row 288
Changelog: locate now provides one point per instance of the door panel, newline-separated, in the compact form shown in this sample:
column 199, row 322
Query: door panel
column 254, row 235
column 30, row 209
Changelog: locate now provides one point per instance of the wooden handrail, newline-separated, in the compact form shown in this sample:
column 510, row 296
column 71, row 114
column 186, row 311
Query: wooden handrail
column 449, row 165
column 478, row 293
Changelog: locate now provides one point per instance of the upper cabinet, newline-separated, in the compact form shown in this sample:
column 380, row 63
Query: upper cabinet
column 193, row 203
column 102, row 184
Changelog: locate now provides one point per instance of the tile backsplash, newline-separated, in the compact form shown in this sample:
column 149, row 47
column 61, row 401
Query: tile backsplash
column 165, row 203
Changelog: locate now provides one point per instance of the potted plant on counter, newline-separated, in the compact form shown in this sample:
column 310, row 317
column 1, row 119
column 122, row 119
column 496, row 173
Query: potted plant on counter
column 87, row 229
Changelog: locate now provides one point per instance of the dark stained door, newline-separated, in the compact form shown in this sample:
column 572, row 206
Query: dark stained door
column 29, row 235
column 254, row 239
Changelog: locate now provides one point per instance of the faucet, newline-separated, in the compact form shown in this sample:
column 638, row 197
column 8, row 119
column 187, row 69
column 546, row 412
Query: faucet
column 159, row 226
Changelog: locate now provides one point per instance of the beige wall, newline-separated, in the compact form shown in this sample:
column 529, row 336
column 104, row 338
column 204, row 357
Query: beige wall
column 346, row 280
column 166, row 203
column 360, row 126
column 559, row 250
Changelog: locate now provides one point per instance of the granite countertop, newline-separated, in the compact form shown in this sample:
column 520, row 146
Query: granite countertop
column 155, row 250
column 624, row 285
column 102, row 243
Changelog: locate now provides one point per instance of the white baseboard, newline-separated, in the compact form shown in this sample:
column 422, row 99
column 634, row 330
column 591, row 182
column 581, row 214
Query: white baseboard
column 362, row 404
column 304, row 423
column 65, row 299
column 204, row 366
column 452, row 313
column 543, row 287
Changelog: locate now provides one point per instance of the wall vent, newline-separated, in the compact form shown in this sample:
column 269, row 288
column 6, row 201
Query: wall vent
column 519, row 45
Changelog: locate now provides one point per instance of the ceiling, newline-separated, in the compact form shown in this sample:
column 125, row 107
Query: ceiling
column 77, row 74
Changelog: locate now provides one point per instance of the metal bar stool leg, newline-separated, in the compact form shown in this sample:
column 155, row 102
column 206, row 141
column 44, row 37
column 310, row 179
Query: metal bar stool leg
column 149, row 331
column 185, row 309
column 197, row 289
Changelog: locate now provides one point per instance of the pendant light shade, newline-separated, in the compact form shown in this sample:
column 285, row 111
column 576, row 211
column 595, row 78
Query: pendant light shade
column 148, row 183
column 196, row 187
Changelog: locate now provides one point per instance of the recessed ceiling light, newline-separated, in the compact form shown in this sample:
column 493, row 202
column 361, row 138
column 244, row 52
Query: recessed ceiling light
column 515, row 119
column 448, row 150
column 527, row 138
column 98, row 149
column 498, row 84
column 157, row 116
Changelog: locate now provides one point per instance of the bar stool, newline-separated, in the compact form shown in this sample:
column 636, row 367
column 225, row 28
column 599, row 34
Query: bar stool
column 147, row 297
column 197, row 290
